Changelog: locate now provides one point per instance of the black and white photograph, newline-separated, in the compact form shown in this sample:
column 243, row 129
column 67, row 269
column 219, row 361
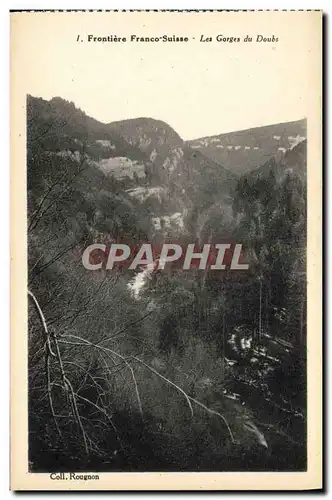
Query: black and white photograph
column 166, row 242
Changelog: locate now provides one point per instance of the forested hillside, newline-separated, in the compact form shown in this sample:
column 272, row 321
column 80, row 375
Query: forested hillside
column 162, row 370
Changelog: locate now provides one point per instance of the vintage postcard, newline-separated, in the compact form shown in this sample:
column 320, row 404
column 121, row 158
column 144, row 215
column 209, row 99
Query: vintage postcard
column 166, row 233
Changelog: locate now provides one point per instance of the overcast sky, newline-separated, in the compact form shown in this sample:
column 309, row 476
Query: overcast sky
column 198, row 88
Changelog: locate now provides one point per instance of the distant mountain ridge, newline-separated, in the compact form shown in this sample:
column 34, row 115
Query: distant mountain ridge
column 244, row 150
column 171, row 179
column 154, row 142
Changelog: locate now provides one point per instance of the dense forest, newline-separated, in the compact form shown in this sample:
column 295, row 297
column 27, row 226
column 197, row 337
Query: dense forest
column 162, row 370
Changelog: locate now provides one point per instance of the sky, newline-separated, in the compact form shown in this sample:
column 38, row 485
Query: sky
column 199, row 88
